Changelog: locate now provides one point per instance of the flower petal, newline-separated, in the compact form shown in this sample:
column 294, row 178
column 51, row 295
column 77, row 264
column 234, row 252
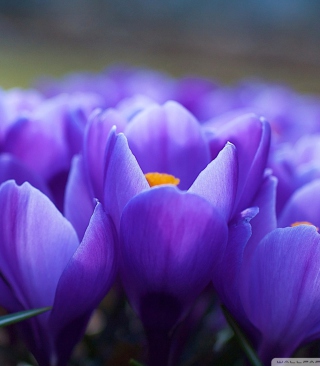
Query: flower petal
column 218, row 182
column 79, row 201
column 36, row 243
column 12, row 168
column 95, row 141
column 226, row 274
column 266, row 220
column 123, row 176
column 251, row 137
column 39, row 142
column 279, row 289
column 168, row 139
column 83, row 284
column 170, row 242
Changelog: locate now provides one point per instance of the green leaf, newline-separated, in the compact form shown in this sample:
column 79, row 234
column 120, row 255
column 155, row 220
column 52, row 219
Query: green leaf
column 21, row 315
column 133, row 362
column 242, row 339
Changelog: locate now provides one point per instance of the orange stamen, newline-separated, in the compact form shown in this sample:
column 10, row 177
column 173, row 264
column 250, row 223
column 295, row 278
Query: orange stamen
column 157, row 179
column 297, row 223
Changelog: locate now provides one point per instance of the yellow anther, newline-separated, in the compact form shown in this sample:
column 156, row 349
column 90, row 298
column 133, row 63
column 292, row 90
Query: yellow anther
column 157, row 179
column 298, row 223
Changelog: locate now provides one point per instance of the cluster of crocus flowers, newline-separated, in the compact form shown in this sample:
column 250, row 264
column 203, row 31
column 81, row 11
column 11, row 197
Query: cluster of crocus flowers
column 168, row 188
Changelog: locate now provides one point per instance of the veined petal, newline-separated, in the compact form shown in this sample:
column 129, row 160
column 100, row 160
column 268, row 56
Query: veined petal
column 280, row 287
column 168, row 139
column 218, row 182
column 36, row 243
column 123, row 176
column 85, row 281
column 95, row 141
column 170, row 242
column 251, row 175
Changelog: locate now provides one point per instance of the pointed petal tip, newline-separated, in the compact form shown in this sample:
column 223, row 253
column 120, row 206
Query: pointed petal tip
column 218, row 182
column 230, row 145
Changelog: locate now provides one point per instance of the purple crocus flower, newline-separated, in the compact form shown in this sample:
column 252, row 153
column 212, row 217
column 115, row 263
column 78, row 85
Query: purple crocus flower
column 170, row 239
column 163, row 138
column 295, row 165
column 42, row 264
column 268, row 277
column 279, row 289
column 45, row 139
column 168, row 139
column 41, row 139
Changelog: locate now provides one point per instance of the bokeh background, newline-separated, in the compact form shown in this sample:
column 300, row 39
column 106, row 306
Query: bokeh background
column 276, row 40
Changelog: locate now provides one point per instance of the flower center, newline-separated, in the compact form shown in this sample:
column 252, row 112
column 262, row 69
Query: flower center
column 157, row 179
column 297, row 223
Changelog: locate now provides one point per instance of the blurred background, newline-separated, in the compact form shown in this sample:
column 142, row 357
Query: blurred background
column 277, row 40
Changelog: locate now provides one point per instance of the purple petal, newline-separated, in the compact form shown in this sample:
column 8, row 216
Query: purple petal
column 284, row 169
column 218, row 182
column 265, row 200
column 12, row 168
column 190, row 92
column 36, row 243
column 304, row 205
column 254, row 164
column 251, row 137
column 222, row 119
column 74, row 129
column 279, row 289
column 83, row 284
column 79, row 201
column 168, row 139
column 40, row 146
column 95, row 141
column 226, row 274
column 123, row 176
column 170, row 243
column 131, row 106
